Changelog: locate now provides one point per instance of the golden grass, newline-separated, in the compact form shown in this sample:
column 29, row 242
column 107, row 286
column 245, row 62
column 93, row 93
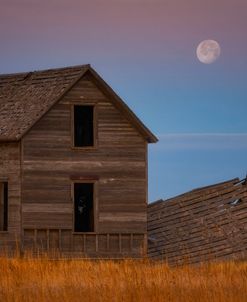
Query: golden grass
column 130, row 280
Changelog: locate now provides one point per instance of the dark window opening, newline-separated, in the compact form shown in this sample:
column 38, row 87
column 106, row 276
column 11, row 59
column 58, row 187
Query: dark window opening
column 3, row 206
column 83, row 126
column 83, row 207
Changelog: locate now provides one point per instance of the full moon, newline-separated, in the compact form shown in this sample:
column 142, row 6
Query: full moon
column 208, row 51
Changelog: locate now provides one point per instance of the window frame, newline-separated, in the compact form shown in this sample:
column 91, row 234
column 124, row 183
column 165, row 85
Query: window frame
column 95, row 127
column 5, row 214
column 95, row 204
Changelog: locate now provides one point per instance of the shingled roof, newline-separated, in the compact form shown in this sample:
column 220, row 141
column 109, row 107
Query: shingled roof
column 208, row 223
column 26, row 97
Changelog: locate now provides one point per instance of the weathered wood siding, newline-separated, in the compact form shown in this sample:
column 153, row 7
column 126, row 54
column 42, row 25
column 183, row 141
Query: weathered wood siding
column 118, row 162
column 10, row 172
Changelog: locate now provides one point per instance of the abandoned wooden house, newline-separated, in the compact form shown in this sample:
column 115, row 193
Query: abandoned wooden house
column 73, row 166
column 208, row 223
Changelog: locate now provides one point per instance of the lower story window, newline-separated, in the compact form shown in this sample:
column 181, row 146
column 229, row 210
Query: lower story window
column 83, row 207
column 3, row 206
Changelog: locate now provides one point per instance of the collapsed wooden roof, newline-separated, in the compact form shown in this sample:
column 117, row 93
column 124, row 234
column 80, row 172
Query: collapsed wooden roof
column 26, row 97
column 205, row 224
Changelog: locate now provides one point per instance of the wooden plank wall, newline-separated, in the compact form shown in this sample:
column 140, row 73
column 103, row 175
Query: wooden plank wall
column 200, row 225
column 118, row 162
column 10, row 172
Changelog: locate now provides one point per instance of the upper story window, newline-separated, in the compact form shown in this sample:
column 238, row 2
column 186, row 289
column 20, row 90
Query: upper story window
column 3, row 206
column 84, row 135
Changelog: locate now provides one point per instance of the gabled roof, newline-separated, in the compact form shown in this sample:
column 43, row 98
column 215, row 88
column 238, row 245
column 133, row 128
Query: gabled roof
column 204, row 224
column 26, row 97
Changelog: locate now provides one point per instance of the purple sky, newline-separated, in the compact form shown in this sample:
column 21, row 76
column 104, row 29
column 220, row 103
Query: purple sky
column 146, row 51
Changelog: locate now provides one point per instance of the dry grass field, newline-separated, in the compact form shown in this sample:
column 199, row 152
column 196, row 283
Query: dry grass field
column 130, row 280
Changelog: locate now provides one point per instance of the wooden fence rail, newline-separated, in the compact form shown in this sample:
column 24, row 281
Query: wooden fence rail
column 85, row 244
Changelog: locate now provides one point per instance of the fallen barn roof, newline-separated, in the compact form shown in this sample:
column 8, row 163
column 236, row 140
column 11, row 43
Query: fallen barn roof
column 208, row 223
column 26, row 97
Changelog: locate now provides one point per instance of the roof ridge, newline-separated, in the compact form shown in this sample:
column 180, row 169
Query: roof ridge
column 45, row 70
column 234, row 181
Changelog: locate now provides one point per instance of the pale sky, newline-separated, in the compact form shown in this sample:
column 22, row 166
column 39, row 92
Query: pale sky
column 146, row 51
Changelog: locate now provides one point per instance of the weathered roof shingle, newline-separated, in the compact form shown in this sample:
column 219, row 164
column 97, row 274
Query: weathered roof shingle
column 25, row 97
column 208, row 223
